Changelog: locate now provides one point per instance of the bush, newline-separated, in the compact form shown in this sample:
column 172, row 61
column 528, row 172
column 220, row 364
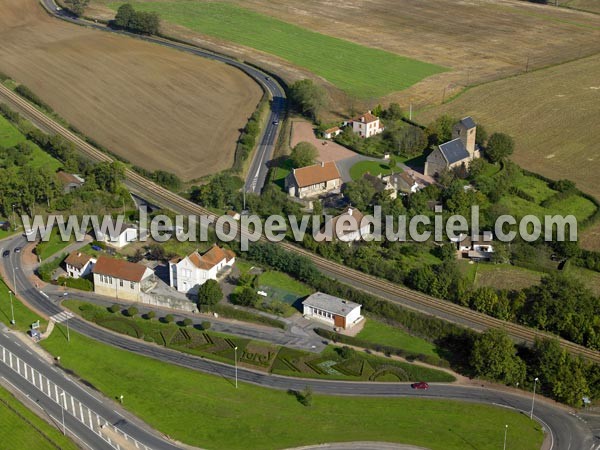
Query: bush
column 187, row 322
column 346, row 352
column 205, row 325
column 305, row 397
column 246, row 297
column 169, row 318
column 45, row 271
column 114, row 308
column 132, row 311
column 150, row 315
column 82, row 284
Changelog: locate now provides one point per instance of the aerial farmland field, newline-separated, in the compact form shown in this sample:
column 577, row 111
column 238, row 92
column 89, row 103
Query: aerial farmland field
column 356, row 69
column 152, row 106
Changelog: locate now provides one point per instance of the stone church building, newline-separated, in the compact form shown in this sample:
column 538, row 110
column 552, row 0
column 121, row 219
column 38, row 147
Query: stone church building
column 457, row 153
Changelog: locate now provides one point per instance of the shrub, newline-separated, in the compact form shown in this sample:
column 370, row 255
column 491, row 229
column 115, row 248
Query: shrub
column 305, row 397
column 187, row 322
column 86, row 307
column 132, row 311
column 150, row 315
column 25, row 92
column 114, row 308
column 169, row 318
column 82, row 284
column 205, row 325
column 346, row 352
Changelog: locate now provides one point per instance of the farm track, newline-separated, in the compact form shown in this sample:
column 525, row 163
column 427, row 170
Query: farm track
column 368, row 283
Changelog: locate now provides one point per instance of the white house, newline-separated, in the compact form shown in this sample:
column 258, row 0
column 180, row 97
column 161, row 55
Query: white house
column 332, row 310
column 120, row 279
column 120, row 236
column 479, row 248
column 330, row 133
column 188, row 273
column 349, row 226
column 79, row 264
column 366, row 125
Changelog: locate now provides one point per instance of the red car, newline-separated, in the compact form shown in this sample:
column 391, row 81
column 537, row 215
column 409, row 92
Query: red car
column 420, row 385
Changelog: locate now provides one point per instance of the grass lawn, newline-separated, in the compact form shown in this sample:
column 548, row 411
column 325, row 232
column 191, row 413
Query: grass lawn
column 10, row 136
column 283, row 281
column 588, row 277
column 361, row 71
column 54, row 245
column 505, row 276
column 175, row 401
column 535, row 187
column 22, row 429
column 373, row 167
column 282, row 170
column 24, row 317
column 384, row 334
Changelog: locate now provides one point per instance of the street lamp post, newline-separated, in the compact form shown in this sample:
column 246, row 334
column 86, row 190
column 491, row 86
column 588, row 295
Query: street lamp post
column 68, row 334
column 505, row 433
column 235, row 359
column 121, row 399
column 13, row 215
column 12, row 310
column 14, row 282
column 533, row 397
column 62, row 408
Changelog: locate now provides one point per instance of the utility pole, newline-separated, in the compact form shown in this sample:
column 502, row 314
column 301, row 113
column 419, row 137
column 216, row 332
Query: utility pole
column 14, row 282
column 410, row 112
column 527, row 65
column 533, row 398
column 236, row 372
column 444, row 95
column 505, row 433
column 12, row 311
column 14, row 218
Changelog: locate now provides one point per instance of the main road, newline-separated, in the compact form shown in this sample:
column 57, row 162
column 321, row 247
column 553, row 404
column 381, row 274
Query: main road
column 565, row 430
column 257, row 173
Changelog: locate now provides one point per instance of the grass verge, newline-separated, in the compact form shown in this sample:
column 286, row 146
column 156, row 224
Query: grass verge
column 207, row 411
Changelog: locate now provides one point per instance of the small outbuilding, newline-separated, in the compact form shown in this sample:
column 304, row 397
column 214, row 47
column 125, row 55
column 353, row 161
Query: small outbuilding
column 331, row 310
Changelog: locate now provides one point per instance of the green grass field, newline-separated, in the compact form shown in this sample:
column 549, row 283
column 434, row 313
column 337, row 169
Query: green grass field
column 381, row 333
column 10, row 136
column 207, row 411
column 24, row 317
column 373, row 167
column 358, row 70
column 283, row 281
column 52, row 246
column 22, row 429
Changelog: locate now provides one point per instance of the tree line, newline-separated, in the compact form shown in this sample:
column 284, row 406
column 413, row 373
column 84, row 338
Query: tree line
column 142, row 22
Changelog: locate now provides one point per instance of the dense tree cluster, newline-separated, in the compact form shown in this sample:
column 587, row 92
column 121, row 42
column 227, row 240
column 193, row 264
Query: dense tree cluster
column 308, row 98
column 304, row 154
column 142, row 22
column 77, row 7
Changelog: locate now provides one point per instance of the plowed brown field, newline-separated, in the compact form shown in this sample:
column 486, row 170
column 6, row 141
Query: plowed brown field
column 155, row 107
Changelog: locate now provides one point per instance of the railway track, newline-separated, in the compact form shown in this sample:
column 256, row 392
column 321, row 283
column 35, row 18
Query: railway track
column 368, row 283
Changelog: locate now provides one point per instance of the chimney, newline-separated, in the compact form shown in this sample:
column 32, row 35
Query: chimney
column 322, row 163
column 350, row 210
column 78, row 253
column 294, row 171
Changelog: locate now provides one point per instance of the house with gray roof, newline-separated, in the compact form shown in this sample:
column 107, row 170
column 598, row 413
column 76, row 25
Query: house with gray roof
column 334, row 311
column 456, row 153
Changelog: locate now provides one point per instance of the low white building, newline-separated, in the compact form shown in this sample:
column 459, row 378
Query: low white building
column 366, row 125
column 120, row 279
column 79, row 264
column 188, row 273
column 330, row 133
column 120, row 236
column 332, row 310
column 479, row 248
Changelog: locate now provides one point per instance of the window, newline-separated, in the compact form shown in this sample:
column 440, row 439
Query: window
column 121, row 283
column 132, row 285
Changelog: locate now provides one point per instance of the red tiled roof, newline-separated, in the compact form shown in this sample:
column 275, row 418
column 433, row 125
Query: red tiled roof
column 66, row 178
column 211, row 258
column 368, row 118
column 119, row 268
column 319, row 173
column 331, row 130
column 77, row 259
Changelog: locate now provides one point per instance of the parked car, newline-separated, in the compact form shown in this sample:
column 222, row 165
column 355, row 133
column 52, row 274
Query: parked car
column 5, row 253
column 276, row 122
column 420, row 385
column 96, row 248
column 18, row 250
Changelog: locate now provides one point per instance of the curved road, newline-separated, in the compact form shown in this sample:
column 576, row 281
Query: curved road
column 566, row 431
column 257, row 173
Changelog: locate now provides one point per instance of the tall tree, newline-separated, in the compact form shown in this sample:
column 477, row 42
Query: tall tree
column 308, row 97
column 500, row 146
column 494, row 356
column 304, row 154
column 77, row 7
column 209, row 293
column 124, row 15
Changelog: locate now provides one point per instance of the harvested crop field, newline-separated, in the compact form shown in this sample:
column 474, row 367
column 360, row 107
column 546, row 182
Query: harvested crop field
column 479, row 40
column 155, row 107
column 552, row 114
